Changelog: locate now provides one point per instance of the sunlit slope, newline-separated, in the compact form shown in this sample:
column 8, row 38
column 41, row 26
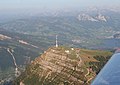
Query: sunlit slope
column 64, row 65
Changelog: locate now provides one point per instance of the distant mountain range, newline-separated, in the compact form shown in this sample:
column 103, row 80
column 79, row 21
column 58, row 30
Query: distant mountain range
column 85, row 28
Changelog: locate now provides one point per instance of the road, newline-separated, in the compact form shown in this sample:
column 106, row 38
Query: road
column 87, row 72
column 14, row 60
column 17, row 73
column 80, row 60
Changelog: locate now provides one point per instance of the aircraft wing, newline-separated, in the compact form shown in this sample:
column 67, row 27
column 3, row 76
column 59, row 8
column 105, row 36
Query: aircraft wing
column 110, row 74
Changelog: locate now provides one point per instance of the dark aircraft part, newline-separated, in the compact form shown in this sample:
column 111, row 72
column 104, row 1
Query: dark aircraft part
column 110, row 74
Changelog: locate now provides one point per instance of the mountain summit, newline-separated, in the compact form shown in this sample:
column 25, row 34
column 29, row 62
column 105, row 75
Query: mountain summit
column 63, row 66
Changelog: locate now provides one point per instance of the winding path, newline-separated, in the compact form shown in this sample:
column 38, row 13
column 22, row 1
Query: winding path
column 87, row 72
column 17, row 73
column 80, row 60
column 90, row 79
column 14, row 60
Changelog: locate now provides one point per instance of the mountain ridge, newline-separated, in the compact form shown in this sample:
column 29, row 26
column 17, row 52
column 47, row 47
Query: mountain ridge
column 61, row 66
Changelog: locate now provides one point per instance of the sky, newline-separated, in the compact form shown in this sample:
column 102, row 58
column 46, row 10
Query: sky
column 53, row 4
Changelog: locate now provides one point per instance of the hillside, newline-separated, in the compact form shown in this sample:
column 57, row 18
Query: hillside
column 64, row 66
column 22, row 49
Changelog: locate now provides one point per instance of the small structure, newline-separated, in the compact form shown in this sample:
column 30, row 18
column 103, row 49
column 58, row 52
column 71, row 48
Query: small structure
column 72, row 48
column 67, row 51
column 21, row 83
column 17, row 72
column 44, row 51
column 53, row 50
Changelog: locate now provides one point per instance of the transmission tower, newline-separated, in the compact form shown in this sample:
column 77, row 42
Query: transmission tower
column 56, row 41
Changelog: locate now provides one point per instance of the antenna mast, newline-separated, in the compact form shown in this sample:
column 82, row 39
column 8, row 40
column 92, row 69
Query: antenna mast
column 56, row 42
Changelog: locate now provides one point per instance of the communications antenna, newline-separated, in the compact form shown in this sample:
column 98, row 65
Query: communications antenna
column 56, row 41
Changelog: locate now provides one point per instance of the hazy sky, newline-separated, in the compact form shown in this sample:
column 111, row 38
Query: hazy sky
column 53, row 4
